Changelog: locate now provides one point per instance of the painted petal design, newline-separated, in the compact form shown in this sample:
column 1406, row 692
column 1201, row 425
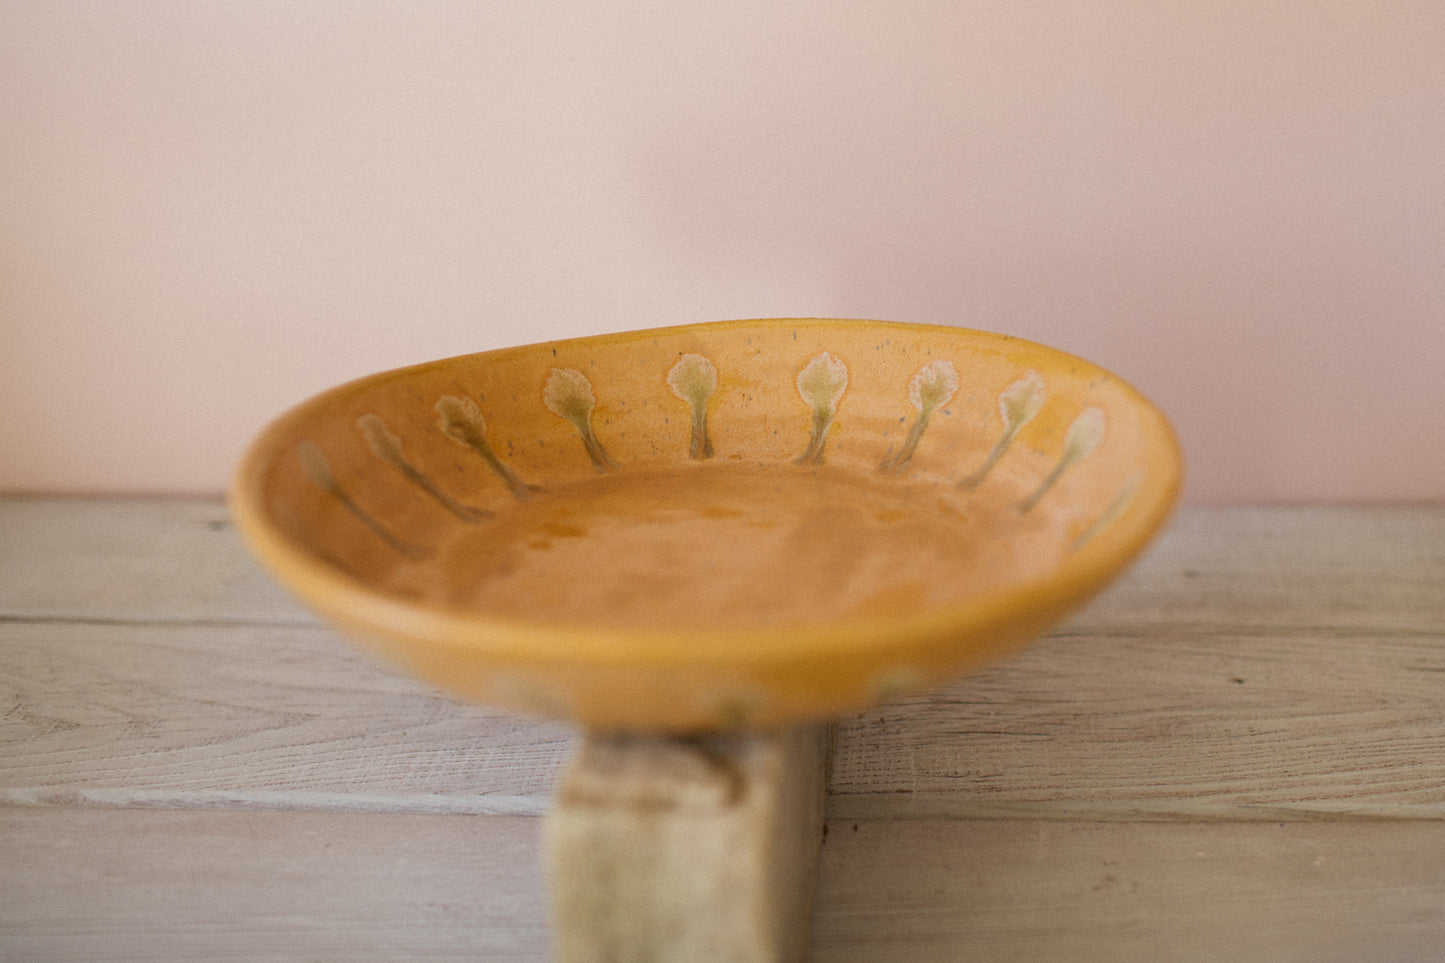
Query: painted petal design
column 933, row 386
column 314, row 463
column 821, row 384
column 1021, row 401
column 929, row 389
column 317, row 468
column 1085, row 434
column 387, row 447
column 569, row 394
column 694, row 380
column 381, row 441
column 461, row 420
column 1017, row 406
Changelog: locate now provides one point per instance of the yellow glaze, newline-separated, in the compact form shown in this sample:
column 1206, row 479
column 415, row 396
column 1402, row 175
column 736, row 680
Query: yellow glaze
column 746, row 523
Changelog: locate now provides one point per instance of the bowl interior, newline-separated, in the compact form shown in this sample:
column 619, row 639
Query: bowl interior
column 718, row 498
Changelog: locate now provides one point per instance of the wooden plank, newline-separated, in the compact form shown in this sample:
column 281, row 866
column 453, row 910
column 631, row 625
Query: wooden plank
column 163, row 885
column 1040, row 891
column 1249, row 569
column 183, row 886
column 688, row 848
column 1078, row 727
column 132, row 560
column 1164, row 726
column 253, row 717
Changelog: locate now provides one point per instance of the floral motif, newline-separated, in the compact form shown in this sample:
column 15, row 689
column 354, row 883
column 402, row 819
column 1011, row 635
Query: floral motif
column 694, row 380
column 314, row 463
column 821, row 384
column 1085, row 434
column 387, row 447
column 568, row 394
column 461, row 420
column 1017, row 406
column 931, row 388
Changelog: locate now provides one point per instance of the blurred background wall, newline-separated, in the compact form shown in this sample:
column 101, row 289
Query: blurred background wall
column 209, row 211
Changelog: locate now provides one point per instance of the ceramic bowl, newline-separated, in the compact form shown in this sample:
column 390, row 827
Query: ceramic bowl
column 746, row 523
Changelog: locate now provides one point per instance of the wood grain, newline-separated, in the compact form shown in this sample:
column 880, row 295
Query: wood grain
column 184, row 886
column 1368, row 569
column 257, row 716
column 132, row 560
column 181, row 886
column 1034, row 891
column 1168, row 725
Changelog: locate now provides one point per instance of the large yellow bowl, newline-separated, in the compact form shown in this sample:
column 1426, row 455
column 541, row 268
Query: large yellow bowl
column 747, row 523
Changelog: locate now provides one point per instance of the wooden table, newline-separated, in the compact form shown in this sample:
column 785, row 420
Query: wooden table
column 1238, row 753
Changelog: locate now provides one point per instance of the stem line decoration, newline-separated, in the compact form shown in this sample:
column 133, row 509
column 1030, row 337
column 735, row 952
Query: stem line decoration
column 461, row 420
column 693, row 380
column 568, row 394
column 387, row 447
column 1116, row 508
column 315, row 465
column 930, row 389
column 1084, row 436
column 821, row 384
column 1017, row 405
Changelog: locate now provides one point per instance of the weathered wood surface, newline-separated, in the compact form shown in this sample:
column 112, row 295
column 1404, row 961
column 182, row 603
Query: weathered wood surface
column 166, row 885
column 249, row 717
column 1259, row 667
column 154, row 885
column 145, row 660
column 1019, row 891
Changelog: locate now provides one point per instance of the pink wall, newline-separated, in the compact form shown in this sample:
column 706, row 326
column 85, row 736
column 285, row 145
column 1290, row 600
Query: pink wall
column 210, row 211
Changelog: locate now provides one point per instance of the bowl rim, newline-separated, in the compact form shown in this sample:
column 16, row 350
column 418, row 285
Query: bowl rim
column 362, row 606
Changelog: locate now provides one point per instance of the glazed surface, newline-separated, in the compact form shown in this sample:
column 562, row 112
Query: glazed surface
column 735, row 545
column 711, row 526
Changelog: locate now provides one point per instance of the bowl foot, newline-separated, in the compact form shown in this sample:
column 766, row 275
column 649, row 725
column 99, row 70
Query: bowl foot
column 688, row 848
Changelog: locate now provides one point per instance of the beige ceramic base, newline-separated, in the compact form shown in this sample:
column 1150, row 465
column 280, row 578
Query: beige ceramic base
column 688, row 848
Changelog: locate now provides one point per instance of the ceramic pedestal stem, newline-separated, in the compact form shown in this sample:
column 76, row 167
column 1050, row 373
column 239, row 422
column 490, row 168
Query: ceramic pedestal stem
column 695, row 848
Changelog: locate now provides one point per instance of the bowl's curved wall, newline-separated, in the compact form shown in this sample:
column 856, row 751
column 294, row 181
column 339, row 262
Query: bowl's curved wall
column 711, row 500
